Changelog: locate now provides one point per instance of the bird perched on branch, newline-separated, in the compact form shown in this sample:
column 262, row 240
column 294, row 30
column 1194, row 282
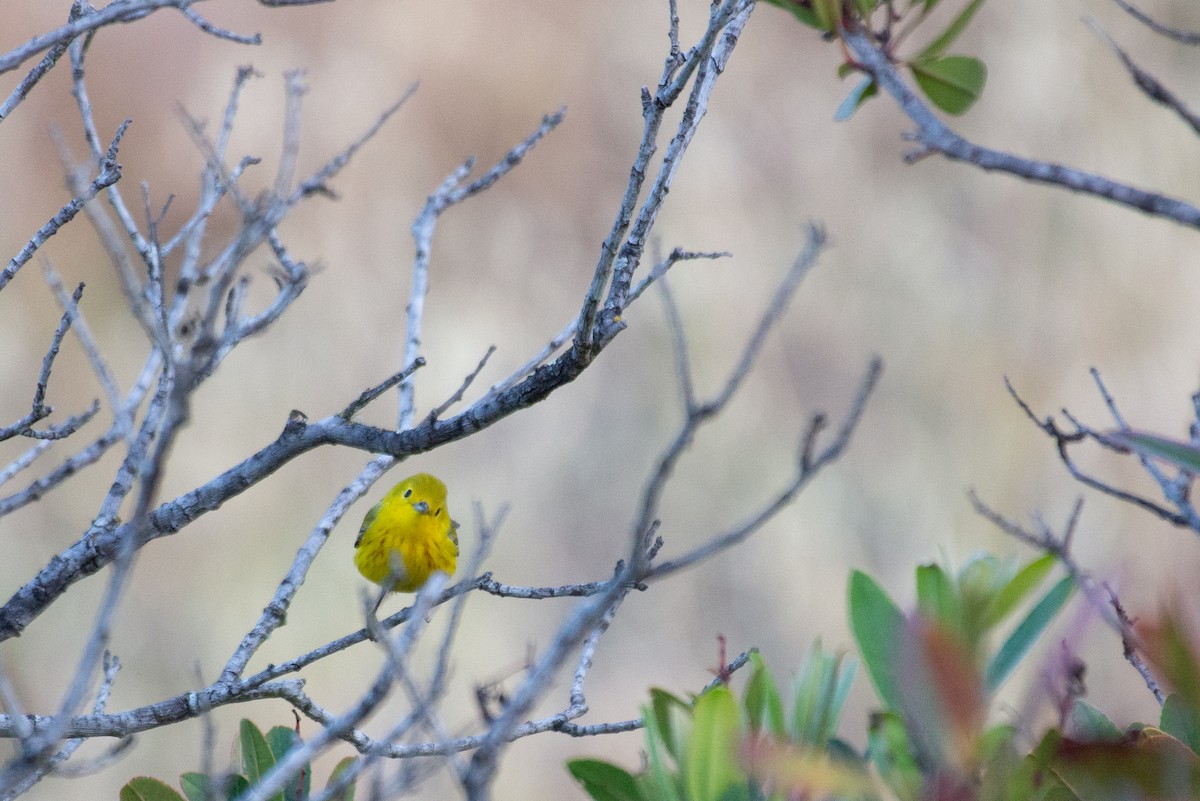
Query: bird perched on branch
column 407, row 536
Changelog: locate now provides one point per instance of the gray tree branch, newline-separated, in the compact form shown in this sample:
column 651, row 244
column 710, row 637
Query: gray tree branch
column 934, row 136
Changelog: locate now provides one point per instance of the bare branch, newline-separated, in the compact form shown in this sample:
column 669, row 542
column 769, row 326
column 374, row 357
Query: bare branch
column 84, row 334
column 56, row 477
column 568, row 331
column 462, row 390
column 213, row 181
column 807, row 469
column 683, row 367
column 290, row 150
column 622, row 248
column 1181, row 36
column 1150, row 86
column 1101, row 597
column 374, row 392
column 38, row 408
column 451, row 192
column 93, row 20
column 217, row 31
column 196, row 319
column 1174, row 489
column 317, row 182
column 935, row 137
column 21, row 462
column 698, row 414
column 110, row 173
column 39, row 71
column 277, row 778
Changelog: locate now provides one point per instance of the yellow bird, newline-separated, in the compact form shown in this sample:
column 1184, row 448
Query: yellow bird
column 407, row 536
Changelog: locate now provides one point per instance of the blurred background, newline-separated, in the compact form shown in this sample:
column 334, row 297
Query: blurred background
column 954, row 277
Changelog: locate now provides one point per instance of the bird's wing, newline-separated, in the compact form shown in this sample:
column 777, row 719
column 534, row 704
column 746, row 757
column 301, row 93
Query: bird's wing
column 367, row 521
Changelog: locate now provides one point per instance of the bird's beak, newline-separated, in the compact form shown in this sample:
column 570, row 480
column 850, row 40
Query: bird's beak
column 422, row 507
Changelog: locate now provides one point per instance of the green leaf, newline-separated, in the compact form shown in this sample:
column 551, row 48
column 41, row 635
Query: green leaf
column 952, row 83
column 979, row 581
column 1180, row 454
column 1025, row 582
column 194, row 786
column 338, row 769
column 842, row 751
column 877, row 624
column 279, row 740
column 1090, row 724
column 819, row 693
column 256, row 754
column 1180, row 721
column 236, row 787
column 942, row 43
column 674, row 719
column 995, row 739
column 847, row 669
column 938, row 599
column 147, row 788
column 1022, row 639
column 813, row 683
column 944, row 702
column 828, row 13
column 711, row 767
column 604, row 781
column 866, row 89
column 984, row 575
column 761, row 699
column 658, row 783
column 889, row 750
column 199, row 787
column 801, row 13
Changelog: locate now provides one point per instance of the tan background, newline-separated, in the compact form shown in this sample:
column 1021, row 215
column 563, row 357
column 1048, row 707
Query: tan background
column 956, row 278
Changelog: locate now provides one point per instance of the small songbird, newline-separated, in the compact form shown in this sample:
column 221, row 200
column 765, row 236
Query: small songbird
column 407, row 536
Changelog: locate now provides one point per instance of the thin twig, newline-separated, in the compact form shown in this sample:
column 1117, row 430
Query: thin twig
column 1178, row 34
column 83, row 332
column 374, row 392
column 110, row 173
column 935, row 136
column 1185, row 515
column 39, row 71
column 317, row 183
column 21, row 462
column 462, row 389
column 683, row 367
column 565, row 334
column 37, row 489
column 1150, row 86
column 1101, row 597
column 217, row 31
column 451, row 192
column 282, row 773
column 698, row 414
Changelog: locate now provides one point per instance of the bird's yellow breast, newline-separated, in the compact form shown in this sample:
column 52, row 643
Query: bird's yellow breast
column 407, row 536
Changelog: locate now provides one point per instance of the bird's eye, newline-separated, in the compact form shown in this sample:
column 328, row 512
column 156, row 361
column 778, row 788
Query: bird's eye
column 408, row 492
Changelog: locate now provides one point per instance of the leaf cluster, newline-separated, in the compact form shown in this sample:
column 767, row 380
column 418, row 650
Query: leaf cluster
column 951, row 82
column 256, row 754
column 935, row 671
column 722, row 748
